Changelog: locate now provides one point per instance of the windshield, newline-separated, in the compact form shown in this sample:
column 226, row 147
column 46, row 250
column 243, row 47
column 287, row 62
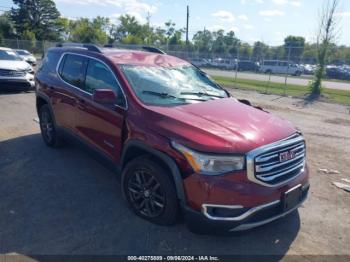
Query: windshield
column 9, row 55
column 22, row 52
column 157, row 85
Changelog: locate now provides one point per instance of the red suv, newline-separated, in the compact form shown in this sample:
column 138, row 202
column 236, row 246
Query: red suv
column 182, row 143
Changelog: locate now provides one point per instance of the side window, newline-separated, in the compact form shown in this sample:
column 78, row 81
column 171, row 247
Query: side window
column 72, row 70
column 49, row 63
column 98, row 76
column 283, row 64
column 270, row 63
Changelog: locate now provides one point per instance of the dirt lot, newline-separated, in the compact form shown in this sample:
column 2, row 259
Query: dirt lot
column 66, row 202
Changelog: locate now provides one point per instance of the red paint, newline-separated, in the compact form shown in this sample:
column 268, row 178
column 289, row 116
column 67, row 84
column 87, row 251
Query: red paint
column 217, row 126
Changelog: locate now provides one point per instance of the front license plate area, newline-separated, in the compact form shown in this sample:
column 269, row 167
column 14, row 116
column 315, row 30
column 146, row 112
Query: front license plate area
column 291, row 198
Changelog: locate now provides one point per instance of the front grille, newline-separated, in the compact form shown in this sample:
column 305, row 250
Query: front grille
column 12, row 73
column 267, row 166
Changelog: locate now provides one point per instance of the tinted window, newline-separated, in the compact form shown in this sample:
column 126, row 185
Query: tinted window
column 49, row 63
column 73, row 70
column 99, row 76
column 283, row 64
column 270, row 63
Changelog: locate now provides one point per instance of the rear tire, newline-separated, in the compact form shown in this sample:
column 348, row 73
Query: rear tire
column 149, row 191
column 48, row 128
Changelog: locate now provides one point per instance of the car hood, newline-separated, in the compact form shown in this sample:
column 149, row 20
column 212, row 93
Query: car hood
column 28, row 57
column 222, row 126
column 14, row 65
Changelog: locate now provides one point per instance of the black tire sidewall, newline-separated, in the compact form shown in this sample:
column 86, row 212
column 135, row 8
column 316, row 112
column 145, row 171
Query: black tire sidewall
column 169, row 215
column 54, row 141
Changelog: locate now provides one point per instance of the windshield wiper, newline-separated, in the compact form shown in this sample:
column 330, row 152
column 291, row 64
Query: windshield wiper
column 201, row 94
column 160, row 94
column 166, row 95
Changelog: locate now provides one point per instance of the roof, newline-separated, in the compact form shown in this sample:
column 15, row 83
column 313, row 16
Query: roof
column 133, row 57
column 128, row 57
column 5, row 49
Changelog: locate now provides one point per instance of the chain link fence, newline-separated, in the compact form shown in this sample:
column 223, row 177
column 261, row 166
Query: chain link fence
column 263, row 61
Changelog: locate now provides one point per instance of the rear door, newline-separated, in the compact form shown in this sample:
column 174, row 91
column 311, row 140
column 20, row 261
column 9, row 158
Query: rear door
column 72, row 72
column 98, row 124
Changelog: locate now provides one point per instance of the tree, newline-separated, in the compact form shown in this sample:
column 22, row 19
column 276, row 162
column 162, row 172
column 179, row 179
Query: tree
column 89, row 31
column 245, row 51
column 294, row 46
column 232, row 43
column 6, row 26
column 203, row 41
column 326, row 35
column 37, row 16
column 259, row 51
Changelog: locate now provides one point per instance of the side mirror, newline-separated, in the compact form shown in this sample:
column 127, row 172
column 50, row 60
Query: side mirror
column 104, row 96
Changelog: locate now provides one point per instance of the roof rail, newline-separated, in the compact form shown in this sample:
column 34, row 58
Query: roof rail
column 153, row 50
column 89, row 47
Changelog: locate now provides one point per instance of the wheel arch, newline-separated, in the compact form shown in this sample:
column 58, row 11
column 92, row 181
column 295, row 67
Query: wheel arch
column 43, row 99
column 136, row 148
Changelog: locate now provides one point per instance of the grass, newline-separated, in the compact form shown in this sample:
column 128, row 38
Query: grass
column 333, row 95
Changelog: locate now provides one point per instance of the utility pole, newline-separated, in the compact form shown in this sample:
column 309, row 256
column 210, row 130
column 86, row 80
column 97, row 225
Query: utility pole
column 188, row 17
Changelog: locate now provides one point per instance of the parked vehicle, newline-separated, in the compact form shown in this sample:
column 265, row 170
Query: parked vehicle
column 308, row 69
column 280, row 67
column 15, row 74
column 338, row 72
column 26, row 56
column 180, row 141
column 221, row 63
column 199, row 62
column 248, row 66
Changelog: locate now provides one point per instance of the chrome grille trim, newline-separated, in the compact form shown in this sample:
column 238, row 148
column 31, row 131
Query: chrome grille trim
column 264, row 169
column 12, row 73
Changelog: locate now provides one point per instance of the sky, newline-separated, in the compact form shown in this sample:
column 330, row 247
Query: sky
column 269, row 21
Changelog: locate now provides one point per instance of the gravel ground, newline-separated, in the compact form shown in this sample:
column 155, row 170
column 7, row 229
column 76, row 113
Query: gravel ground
column 67, row 202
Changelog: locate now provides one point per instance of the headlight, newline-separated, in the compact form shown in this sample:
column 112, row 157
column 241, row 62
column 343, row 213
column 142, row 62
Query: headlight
column 207, row 164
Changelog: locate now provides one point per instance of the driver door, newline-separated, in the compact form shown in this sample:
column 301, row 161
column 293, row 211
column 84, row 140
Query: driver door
column 99, row 124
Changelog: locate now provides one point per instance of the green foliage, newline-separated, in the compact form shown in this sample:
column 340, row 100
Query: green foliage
column 37, row 16
column 28, row 35
column 40, row 20
column 6, row 26
column 295, row 45
column 84, row 30
column 259, row 51
column 216, row 42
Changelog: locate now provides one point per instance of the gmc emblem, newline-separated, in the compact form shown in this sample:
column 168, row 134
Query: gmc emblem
column 285, row 156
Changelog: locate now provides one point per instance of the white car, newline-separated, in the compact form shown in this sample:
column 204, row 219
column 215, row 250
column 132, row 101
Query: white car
column 280, row 67
column 26, row 56
column 15, row 74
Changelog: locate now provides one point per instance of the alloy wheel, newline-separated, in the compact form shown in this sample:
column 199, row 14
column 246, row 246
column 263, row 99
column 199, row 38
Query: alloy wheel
column 46, row 126
column 146, row 194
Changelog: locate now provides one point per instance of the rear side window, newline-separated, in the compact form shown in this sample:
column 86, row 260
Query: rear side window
column 72, row 69
column 49, row 63
column 99, row 76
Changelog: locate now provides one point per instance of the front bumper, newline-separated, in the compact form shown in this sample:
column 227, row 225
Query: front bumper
column 17, row 84
column 248, row 218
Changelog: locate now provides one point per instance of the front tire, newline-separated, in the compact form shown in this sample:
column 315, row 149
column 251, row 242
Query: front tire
column 48, row 129
column 149, row 191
